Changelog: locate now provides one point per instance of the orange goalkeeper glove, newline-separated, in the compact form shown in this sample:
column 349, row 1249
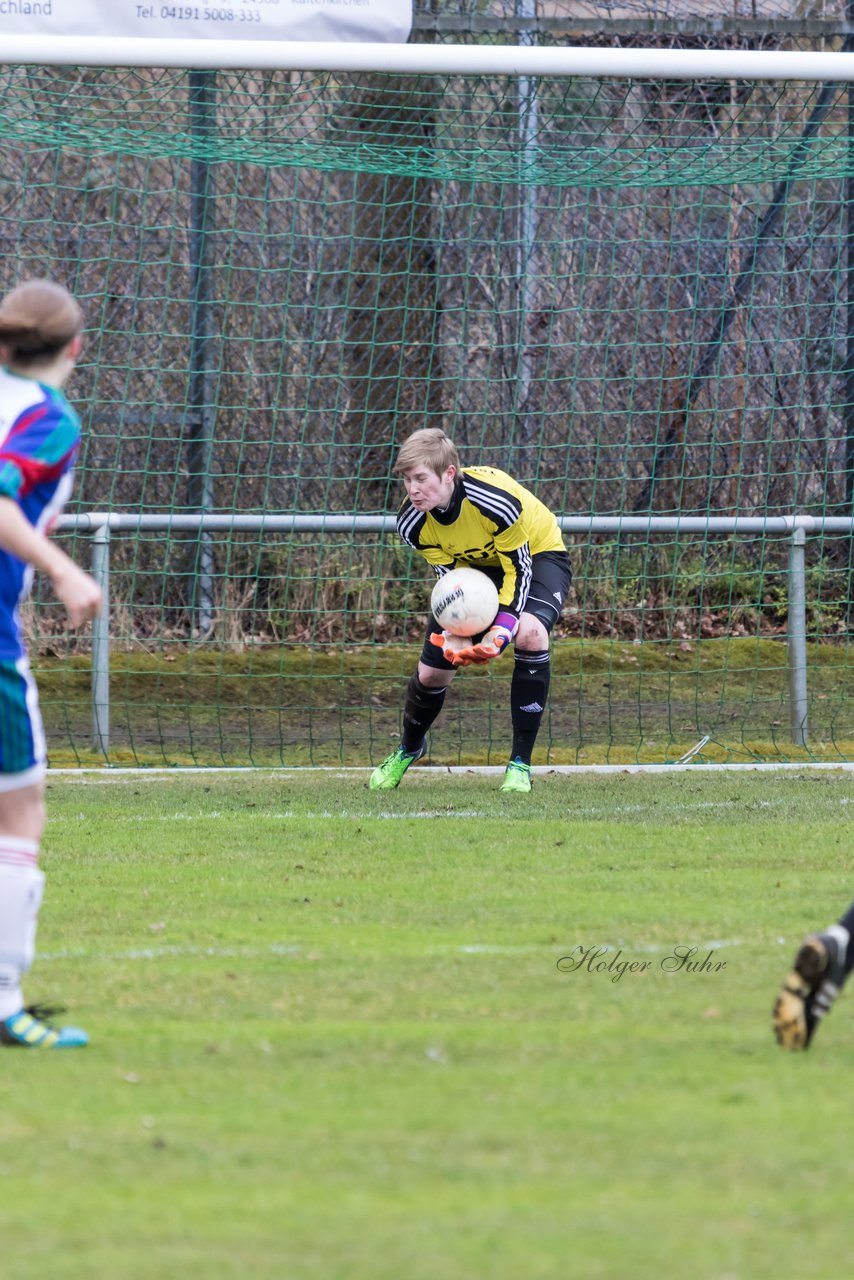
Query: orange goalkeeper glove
column 460, row 650
column 490, row 645
column 457, row 650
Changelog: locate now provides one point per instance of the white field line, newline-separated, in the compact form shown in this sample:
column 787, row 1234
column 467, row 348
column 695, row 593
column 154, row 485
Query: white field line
column 573, row 812
column 167, row 952
column 105, row 773
column 281, row 815
column 603, row 948
column 288, row 949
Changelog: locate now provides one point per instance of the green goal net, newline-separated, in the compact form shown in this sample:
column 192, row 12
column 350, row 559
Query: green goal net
column 635, row 295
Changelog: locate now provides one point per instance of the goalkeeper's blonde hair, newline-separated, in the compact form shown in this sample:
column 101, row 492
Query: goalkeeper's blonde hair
column 429, row 447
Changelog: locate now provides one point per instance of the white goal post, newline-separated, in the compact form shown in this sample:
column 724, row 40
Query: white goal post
column 426, row 59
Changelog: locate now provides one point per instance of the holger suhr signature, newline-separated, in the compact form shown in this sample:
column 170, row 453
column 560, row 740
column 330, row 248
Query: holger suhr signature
column 680, row 959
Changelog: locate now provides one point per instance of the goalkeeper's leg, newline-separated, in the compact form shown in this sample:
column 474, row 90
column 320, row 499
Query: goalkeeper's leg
column 529, row 688
column 425, row 697
column 529, row 691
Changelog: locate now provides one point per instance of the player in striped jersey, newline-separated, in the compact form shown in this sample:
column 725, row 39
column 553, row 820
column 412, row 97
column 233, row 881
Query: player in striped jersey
column 40, row 341
column 482, row 517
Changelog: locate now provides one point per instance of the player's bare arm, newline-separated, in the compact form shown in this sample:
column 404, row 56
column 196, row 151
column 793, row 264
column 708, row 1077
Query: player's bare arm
column 75, row 588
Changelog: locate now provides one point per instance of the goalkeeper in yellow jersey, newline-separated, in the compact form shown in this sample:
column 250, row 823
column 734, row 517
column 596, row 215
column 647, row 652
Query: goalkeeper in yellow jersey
column 481, row 517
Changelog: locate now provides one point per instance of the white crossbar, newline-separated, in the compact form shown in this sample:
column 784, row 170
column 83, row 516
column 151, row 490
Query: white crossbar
column 428, row 59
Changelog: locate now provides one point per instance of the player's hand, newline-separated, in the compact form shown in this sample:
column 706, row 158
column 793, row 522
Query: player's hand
column 457, row 650
column 79, row 592
column 491, row 645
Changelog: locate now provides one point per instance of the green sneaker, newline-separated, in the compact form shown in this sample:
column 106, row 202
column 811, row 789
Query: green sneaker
column 388, row 774
column 517, row 777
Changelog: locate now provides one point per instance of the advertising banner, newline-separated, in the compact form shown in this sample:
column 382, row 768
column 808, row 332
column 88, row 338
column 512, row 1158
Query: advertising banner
column 322, row 20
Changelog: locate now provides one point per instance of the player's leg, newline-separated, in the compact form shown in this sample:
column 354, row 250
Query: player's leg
column 529, row 686
column 425, row 697
column 22, row 769
column 529, row 690
column 820, row 969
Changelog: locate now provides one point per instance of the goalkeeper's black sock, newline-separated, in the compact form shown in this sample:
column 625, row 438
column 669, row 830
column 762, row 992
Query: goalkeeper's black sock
column 529, row 690
column 420, row 709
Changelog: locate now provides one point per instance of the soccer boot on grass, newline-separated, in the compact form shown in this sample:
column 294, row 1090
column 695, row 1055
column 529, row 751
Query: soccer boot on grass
column 810, row 989
column 517, row 777
column 388, row 774
column 29, row 1029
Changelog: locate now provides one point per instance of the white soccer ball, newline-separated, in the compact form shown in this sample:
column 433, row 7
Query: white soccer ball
column 464, row 602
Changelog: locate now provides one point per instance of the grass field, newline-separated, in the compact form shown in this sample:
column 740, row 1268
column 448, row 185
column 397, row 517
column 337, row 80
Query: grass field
column 332, row 1040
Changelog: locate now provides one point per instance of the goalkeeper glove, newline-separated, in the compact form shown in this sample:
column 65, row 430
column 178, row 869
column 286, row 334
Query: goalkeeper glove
column 456, row 649
column 463, row 653
column 490, row 645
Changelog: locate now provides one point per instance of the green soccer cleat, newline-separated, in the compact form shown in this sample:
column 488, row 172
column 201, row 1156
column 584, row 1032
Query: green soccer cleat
column 27, row 1029
column 809, row 990
column 517, row 777
column 388, row 774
